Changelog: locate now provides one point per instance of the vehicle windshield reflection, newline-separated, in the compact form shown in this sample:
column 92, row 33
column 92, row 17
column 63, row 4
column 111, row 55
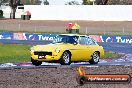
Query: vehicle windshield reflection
column 68, row 39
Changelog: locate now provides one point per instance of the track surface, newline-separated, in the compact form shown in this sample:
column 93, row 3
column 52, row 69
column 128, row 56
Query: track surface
column 117, row 47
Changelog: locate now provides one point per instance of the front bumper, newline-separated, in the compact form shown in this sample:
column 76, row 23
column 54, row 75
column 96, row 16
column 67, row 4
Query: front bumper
column 54, row 57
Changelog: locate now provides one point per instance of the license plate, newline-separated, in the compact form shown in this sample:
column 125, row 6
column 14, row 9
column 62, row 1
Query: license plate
column 41, row 57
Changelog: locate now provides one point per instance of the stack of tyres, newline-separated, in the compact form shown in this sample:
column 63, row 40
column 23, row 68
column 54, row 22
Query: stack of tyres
column 75, row 31
column 23, row 17
column 22, row 14
column 27, row 17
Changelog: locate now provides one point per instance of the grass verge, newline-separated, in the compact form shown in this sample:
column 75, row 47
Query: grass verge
column 17, row 53
column 111, row 55
column 12, row 53
column 39, row 32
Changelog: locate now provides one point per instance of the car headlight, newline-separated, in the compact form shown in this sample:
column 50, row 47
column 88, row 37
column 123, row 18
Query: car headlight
column 32, row 49
column 57, row 50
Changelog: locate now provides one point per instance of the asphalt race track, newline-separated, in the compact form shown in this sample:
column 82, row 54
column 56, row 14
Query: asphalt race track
column 118, row 47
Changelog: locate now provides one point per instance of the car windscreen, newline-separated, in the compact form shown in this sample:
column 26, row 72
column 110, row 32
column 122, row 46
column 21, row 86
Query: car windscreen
column 68, row 39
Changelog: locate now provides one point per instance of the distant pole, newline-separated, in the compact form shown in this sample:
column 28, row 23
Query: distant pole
column 86, row 30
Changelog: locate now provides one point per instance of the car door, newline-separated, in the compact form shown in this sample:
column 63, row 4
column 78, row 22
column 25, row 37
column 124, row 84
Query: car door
column 80, row 51
column 88, row 46
column 86, row 49
column 76, row 51
column 92, row 46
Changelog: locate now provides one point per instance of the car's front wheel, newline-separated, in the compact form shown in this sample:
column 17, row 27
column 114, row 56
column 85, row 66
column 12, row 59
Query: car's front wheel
column 35, row 62
column 94, row 58
column 65, row 58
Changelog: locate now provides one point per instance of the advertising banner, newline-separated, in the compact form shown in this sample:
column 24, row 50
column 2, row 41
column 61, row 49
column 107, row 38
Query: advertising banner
column 97, row 38
column 112, row 39
column 19, row 36
column 40, row 37
column 56, row 38
column 6, row 35
column 117, row 39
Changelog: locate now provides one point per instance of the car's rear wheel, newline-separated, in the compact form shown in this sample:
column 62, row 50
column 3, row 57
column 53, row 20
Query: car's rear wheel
column 65, row 58
column 94, row 58
column 35, row 62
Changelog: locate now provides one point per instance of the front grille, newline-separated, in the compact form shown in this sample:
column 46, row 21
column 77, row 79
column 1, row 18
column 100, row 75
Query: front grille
column 43, row 53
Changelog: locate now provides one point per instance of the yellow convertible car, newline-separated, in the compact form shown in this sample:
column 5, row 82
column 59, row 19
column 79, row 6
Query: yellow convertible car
column 70, row 48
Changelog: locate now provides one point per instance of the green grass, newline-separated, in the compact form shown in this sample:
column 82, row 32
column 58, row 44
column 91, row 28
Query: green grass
column 110, row 55
column 1, row 30
column 16, row 53
column 12, row 53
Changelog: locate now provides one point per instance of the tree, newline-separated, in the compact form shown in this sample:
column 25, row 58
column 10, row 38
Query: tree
column 31, row 2
column 101, row 2
column 46, row 2
column 87, row 2
column 3, row 1
column 108, row 2
column 119, row 2
column 13, row 4
column 97, row 2
column 72, row 3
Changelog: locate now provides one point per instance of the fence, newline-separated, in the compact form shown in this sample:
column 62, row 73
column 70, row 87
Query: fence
column 102, row 29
